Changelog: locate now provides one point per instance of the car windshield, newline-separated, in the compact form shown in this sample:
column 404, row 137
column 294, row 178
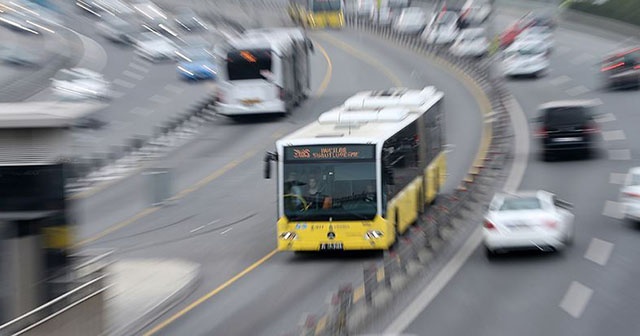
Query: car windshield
column 520, row 203
column 561, row 116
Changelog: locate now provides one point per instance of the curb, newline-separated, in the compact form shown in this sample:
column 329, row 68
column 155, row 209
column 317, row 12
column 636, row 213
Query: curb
column 153, row 313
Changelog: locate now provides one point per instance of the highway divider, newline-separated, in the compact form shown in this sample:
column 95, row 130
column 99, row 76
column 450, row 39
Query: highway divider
column 351, row 307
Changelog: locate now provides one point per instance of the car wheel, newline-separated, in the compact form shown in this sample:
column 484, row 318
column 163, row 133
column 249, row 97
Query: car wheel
column 491, row 254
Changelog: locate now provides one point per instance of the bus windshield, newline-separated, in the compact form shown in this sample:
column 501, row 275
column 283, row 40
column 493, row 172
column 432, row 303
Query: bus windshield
column 326, row 5
column 319, row 189
column 248, row 64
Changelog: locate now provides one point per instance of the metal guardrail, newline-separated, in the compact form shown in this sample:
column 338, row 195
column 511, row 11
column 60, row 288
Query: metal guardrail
column 350, row 304
column 84, row 279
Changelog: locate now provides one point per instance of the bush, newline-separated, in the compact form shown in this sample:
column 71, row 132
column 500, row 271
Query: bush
column 622, row 10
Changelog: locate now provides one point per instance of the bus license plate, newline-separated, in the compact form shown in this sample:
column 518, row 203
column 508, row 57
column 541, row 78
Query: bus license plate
column 331, row 246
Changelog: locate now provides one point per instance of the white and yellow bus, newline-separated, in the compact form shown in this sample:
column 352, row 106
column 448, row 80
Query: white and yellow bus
column 361, row 173
column 317, row 13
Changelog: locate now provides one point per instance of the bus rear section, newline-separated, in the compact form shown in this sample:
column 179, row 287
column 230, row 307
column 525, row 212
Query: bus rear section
column 251, row 83
column 326, row 14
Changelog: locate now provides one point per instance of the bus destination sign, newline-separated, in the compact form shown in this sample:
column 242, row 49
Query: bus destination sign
column 329, row 152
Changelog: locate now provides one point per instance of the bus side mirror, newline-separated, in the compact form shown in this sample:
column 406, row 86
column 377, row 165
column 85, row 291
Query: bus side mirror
column 270, row 156
column 310, row 45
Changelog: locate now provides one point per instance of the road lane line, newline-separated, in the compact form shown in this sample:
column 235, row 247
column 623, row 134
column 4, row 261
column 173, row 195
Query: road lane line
column 138, row 67
column 435, row 286
column 210, row 294
column 619, row 154
column 613, row 209
column 578, row 90
column 617, row 178
column 327, row 75
column 576, row 299
column 560, row 80
column 613, row 135
column 197, row 229
column 141, row 111
column 227, row 230
column 124, row 83
column 133, row 75
column 116, row 227
column 599, row 251
column 174, row 89
column 607, row 117
column 159, row 99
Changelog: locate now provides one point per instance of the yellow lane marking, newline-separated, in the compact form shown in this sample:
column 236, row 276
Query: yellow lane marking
column 322, row 324
column 210, row 294
column 380, row 274
column 358, row 54
column 327, row 75
column 216, row 174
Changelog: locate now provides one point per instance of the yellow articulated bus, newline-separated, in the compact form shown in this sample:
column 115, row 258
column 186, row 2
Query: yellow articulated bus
column 317, row 13
column 361, row 173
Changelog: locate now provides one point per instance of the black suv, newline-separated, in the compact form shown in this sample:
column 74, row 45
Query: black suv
column 622, row 69
column 567, row 127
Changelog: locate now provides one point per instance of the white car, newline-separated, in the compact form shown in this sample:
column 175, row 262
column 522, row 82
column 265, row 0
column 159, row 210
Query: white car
column 471, row 42
column 630, row 195
column 443, row 29
column 155, row 47
column 525, row 58
column 80, row 84
column 475, row 11
column 538, row 33
column 411, row 20
column 535, row 220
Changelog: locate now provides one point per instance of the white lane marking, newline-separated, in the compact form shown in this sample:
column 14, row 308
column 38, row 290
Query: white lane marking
column 174, row 89
column 141, row 111
column 599, row 251
column 576, row 299
column 578, row 90
column 613, row 209
column 227, row 230
column 197, row 229
column 204, row 226
column 94, row 56
column 613, row 135
column 160, row 99
column 138, row 67
column 521, row 157
column 617, row 178
column 619, row 154
column 431, row 291
column 132, row 75
column 582, row 59
column 607, row 117
column 560, row 80
column 124, row 83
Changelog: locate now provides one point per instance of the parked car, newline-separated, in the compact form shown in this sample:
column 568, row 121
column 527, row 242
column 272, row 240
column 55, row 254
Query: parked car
column 511, row 33
column 525, row 58
column 442, row 29
column 382, row 16
column 567, row 127
column 196, row 64
column 80, row 83
column 622, row 69
column 411, row 20
column 630, row 195
column 117, row 29
column 527, row 220
column 471, row 42
column 475, row 12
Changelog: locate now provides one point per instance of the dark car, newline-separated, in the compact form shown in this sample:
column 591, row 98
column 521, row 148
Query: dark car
column 567, row 127
column 622, row 69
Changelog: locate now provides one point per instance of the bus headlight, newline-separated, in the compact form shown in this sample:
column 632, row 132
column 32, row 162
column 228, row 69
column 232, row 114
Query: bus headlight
column 288, row 236
column 373, row 234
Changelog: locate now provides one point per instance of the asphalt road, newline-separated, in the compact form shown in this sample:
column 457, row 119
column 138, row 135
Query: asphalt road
column 590, row 289
column 227, row 222
column 146, row 94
